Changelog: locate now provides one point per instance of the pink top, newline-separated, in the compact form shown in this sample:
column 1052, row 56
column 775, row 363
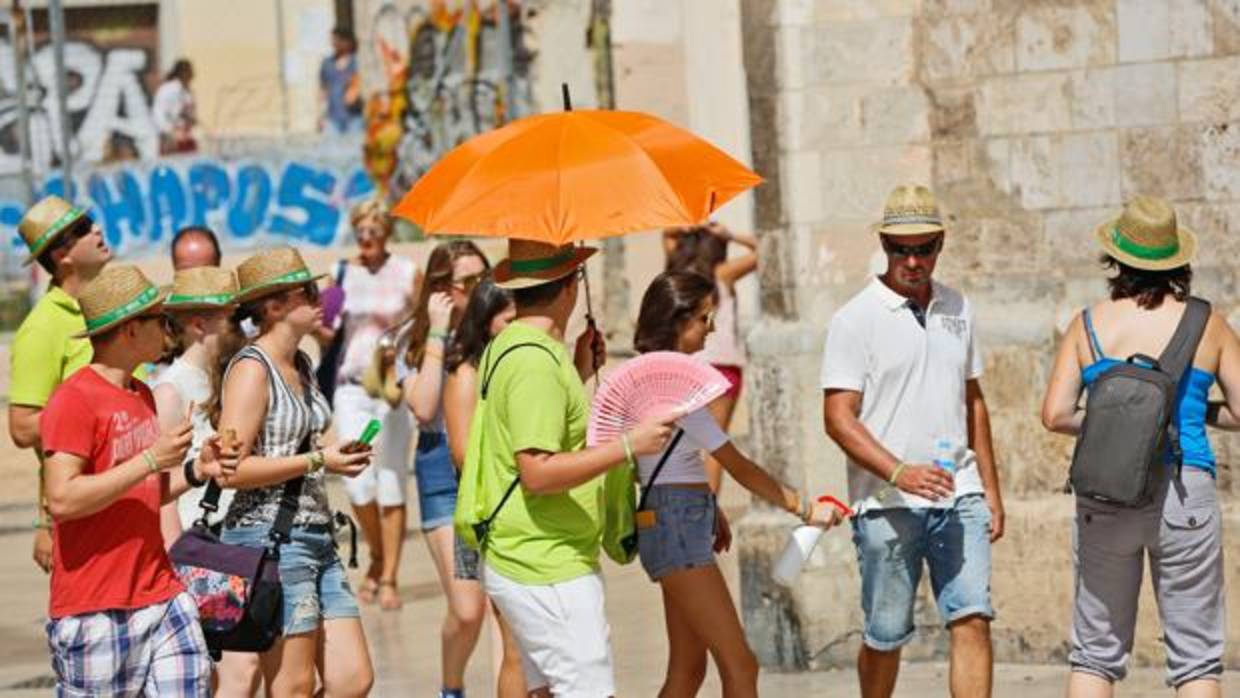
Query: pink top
column 723, row 346
column 373, row 303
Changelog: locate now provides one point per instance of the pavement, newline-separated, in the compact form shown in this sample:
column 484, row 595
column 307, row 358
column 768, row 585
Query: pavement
column 405, row 643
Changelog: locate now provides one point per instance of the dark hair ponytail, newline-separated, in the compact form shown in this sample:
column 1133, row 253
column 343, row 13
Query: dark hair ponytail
column 474, row 331
column 672, row 298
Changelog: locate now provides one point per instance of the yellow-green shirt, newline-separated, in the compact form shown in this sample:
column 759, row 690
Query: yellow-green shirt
column 44, row 352
column 534, row 402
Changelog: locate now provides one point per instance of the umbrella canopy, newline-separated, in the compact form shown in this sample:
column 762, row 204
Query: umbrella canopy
column 575, row 175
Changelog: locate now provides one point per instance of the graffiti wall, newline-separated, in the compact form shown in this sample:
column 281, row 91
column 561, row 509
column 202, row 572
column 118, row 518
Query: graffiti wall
column 110, row 60
column 450, row 71
column 300, row 199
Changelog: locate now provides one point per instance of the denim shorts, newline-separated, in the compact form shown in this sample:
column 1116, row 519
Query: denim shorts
column 311, row 576
column 436, row 477
column 683, row 536
column 891, row 545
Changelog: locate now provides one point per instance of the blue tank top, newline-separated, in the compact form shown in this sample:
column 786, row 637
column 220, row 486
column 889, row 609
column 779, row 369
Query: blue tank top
column 1190, row 410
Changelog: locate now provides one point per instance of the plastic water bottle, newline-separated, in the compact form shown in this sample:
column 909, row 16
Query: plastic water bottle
column 800, row 546
column 945, row 454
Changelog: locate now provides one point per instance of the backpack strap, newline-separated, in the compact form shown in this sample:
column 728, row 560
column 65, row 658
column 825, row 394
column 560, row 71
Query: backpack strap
column 667, row 452
column 1177, row 358
column 482, row 528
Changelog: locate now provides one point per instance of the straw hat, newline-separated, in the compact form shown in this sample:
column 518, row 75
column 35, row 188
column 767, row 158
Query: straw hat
column 121, row 292
column 1146, row 236
column 910, row 210
column 271, row 271
column 202, row 288
column 531, row 263
column 45, row 222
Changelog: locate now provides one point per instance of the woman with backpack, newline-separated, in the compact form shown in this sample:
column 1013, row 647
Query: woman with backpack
column 1175, row 519
column 678, row 550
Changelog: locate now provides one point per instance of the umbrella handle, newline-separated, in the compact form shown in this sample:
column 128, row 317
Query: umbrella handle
column 585, row 280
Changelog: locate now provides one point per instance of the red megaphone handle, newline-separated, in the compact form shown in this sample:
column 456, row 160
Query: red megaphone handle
column 843, row 508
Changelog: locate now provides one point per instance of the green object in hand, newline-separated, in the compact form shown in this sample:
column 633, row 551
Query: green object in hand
column 370, row 432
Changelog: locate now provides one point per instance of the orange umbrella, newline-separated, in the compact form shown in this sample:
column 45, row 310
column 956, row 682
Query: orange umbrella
column 575, row 175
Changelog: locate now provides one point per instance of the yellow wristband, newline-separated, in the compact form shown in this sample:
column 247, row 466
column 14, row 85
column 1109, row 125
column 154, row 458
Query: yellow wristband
column 895, row 474
column 151, row 465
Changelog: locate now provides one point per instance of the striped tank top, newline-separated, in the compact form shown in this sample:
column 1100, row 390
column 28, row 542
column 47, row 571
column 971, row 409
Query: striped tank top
column 290, row 417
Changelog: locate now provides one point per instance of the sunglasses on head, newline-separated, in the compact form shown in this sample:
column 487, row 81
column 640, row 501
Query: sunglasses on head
column 927, row 249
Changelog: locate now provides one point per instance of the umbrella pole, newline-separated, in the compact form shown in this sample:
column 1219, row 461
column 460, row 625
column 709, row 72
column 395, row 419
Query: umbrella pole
column 585, row 280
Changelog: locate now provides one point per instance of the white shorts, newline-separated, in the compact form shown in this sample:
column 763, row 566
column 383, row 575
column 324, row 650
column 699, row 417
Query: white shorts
column 384, row 479
column 562, row 631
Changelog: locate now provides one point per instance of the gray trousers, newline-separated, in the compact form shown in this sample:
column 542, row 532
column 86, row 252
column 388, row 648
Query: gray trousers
column 1181, row 531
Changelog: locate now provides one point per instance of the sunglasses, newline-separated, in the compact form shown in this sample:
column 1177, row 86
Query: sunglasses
column 309, row 290
column 77, row 231
column 367, row 232
column 466, row 284
column 928, row 249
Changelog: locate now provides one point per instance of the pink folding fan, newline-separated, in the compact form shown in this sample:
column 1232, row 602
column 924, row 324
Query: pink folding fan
column 653, row 384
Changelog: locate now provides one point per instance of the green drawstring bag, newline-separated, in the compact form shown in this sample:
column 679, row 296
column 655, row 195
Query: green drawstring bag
column 619, row 506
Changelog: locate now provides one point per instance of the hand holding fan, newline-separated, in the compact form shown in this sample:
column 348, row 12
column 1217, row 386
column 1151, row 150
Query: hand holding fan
column 651, row 385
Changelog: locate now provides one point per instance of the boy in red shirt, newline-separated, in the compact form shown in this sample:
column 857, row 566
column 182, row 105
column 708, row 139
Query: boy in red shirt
column 120, row 620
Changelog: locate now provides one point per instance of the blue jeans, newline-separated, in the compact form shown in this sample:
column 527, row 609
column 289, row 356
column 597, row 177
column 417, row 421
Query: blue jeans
column 313, row 580
column 891, row 544
column 436, row 477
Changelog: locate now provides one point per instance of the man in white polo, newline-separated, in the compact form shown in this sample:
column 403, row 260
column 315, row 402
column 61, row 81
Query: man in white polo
column 901, row 398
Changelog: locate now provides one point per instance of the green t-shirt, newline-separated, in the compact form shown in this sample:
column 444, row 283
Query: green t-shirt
column 44, row 352
column 534, row 402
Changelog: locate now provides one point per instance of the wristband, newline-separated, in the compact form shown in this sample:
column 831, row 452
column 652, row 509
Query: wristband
column 41, row 525
column 151, row 465
column 189, row 475
column 895, row 474
column 441, row 336
column 314, row 461
column 628, row 449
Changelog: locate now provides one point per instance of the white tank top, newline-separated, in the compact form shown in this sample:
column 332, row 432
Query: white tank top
column 685, row 465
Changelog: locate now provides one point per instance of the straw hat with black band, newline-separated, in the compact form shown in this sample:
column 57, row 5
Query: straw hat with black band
column 272, row 271
column 203, row 288
column 531, row 263
column 121, row 292
column 1147, row 236
column 910, row 210
column 45, row 222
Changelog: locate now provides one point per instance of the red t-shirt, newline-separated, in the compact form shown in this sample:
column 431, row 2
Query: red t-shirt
column 114, row 558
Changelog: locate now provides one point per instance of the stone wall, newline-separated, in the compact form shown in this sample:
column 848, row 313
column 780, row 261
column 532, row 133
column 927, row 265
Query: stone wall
column 1033, row 122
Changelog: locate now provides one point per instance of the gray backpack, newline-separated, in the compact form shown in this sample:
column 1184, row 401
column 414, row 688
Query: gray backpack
column 1122, row 451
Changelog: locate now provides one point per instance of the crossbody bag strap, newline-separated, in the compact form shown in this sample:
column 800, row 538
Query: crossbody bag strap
column 667, row 453
column 1177, row 358
column 482, row 528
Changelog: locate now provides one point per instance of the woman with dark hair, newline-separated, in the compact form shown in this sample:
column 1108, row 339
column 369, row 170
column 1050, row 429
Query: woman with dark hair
column 274, row 413
column 678, row 551
column 1180, row 529
column 452, row 271
column 173, row 110
column 704, row 249
column 489, row 311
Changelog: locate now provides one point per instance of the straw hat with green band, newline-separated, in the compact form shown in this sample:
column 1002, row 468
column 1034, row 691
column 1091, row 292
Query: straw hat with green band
column 1146, row 236
column 271, row 271
column 530, row 263
column 45, row 222
column 203, row 288
column 121, row 292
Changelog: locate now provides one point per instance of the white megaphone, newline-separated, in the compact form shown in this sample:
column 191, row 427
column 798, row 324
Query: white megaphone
column 800, row 546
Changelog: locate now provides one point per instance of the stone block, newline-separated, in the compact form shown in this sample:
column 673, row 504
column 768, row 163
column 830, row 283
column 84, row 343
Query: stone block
column 953, row 112
column 1015, row 376
column 802, row 178
column 1035, row 172
column 1163, row 161
column 1225, row 22
column 1089, row 169
column 857, row 181
column 875, row 52
column 792, row 70
column 1091, row 98
column 962, row 47
column 896, row 115
column 1153, row 30
column 1220, row 161
column 1033, row 462
column 953, row 161
column 939, row 8
column 854, row 10
column 1070, row 242
column 996, row 164
column 1028, row 103
column 821, row 117
column 1052, row 37
column 1209, row 90
column 1145, row 94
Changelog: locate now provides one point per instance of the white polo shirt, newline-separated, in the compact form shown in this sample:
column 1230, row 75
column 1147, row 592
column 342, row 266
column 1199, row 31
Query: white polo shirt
column 911, row 380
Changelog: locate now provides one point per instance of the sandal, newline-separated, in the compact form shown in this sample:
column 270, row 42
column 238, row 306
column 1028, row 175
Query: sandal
column 389, row 595
column 368, row 591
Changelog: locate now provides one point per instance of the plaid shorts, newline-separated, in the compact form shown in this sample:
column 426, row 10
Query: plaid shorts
column 156, row 650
